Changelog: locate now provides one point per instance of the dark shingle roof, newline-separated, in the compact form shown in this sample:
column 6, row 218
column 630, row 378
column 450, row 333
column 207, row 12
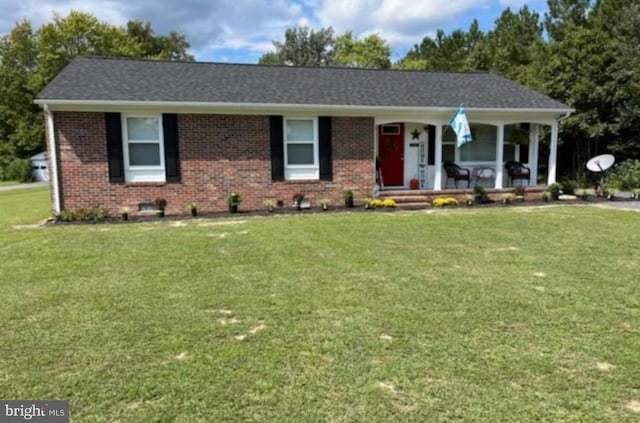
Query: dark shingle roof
column 109, row 79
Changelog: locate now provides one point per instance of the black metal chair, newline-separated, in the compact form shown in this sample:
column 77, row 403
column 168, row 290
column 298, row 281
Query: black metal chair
column 456, row 173
column 516, row 170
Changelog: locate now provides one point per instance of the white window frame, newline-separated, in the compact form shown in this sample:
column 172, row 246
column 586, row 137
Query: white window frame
column 458, row 153
column 146, row 173
column 395, row 131
column 302, row 172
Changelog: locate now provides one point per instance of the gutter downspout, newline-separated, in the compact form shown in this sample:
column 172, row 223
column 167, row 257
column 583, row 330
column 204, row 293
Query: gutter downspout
column 53, row 156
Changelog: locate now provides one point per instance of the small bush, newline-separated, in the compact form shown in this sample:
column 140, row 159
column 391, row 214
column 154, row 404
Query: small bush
column 377, row 203
column 91, row 214
column 18, row 170
column 568, row 187
column 625, row 176
column 555, row 190
column 479, row 191
column 508, row 198
column 444, row 201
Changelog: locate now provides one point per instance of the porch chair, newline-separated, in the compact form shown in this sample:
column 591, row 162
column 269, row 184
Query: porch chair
column 456, row 173
column 516, row 170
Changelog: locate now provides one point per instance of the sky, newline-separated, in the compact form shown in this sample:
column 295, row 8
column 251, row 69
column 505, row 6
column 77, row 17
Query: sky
column 240, row 31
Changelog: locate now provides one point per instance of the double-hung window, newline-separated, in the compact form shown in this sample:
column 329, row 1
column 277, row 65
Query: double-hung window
column 143, row 148
column 301, row 148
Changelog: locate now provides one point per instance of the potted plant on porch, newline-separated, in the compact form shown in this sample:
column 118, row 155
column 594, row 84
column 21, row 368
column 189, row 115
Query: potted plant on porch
column 413, row 183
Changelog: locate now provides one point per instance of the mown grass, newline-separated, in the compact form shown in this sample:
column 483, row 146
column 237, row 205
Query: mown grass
column 505, row 314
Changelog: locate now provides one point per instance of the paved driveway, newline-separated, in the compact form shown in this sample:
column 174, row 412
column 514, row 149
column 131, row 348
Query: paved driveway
column 23, row 186
column 626, row 205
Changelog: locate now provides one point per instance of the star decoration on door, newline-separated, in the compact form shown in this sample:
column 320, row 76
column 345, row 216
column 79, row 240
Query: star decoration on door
column 415, row 134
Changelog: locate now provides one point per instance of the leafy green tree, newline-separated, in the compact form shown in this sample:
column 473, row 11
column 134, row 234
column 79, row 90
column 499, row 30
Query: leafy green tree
column 21, row 127
column 303, row 47
column 564, row 15
column 620, row 20
column 408, row 63
column 577, row 74
column 444, row 52
column 370, row 52
column 145, row 42
column 592, row 68
column 514, row 47
column 30, row 59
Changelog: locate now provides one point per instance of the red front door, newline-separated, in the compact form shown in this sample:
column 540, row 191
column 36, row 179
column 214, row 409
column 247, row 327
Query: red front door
column 391, row 154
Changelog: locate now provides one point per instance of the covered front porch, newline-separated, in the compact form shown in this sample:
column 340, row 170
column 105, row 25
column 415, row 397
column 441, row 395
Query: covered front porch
column 415, row 154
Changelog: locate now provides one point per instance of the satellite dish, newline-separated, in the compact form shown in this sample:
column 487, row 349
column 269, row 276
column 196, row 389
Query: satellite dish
column 601, row 163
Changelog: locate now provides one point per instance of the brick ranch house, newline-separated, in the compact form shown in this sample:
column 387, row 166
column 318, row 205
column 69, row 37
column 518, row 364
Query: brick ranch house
column 123, row 132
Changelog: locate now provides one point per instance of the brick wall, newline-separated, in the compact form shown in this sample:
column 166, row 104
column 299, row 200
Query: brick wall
column 218, row 154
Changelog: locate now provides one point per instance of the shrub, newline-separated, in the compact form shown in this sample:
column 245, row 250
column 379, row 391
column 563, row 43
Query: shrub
column 444, row 201
column 568, row 187
column 479, row 191
column 555, row 190
column 91, row 214
column 376, row 203
column 234, row 199
column 18, row 170
column 625, row 175
column 508, row 198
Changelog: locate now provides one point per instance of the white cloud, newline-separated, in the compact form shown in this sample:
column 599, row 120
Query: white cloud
column 514, row 4
column 215, row 28
column 208, row 25
column 401, row 22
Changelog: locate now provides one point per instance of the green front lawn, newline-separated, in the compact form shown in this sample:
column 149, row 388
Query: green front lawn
column 503, row 314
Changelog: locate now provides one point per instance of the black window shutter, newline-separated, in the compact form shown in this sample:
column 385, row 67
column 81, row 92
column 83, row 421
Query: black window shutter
column 171, row 149
column 324, row 148
column 277, row 148
column 431, row 146
column 113, row 126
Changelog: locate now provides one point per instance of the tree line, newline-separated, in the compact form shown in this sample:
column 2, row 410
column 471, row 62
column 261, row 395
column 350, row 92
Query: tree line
column 585, row 53
column 30, row 59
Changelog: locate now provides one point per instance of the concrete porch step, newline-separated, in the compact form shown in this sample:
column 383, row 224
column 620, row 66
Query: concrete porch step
column 427, row 196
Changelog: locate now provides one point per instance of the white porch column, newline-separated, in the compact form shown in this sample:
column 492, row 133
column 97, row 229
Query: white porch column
column 499, row 155
column 553, row 153
column 534, row 145
column 437, row 181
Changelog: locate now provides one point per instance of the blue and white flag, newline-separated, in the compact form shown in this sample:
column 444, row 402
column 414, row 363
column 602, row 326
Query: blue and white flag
column 460, row 126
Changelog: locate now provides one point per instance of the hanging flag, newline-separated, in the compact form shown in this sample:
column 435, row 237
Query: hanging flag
column 460, row 126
